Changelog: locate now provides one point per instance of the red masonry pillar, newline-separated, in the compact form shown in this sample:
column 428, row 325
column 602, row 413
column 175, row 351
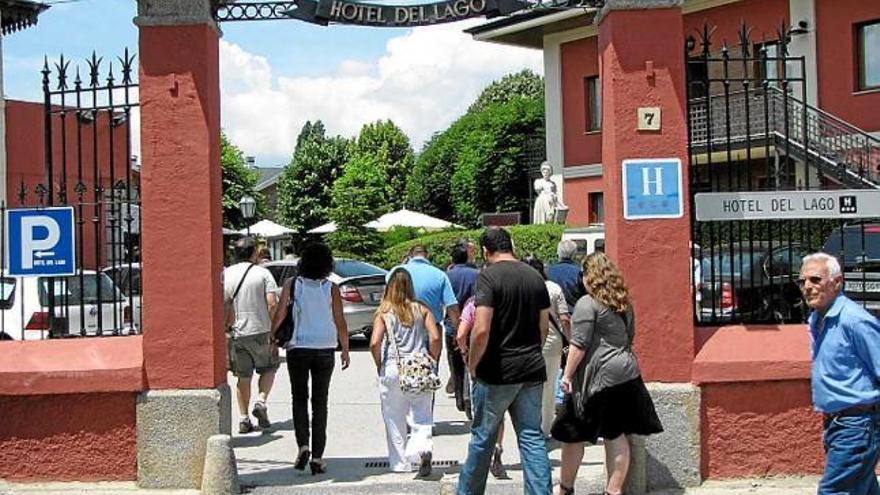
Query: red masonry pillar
column 181, row 194
column 641, row 46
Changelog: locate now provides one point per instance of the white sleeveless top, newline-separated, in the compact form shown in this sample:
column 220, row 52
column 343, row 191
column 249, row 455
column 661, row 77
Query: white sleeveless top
column 313, row 315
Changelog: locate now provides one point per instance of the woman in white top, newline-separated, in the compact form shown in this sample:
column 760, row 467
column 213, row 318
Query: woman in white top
column 319, row 325
column 557, row 337
column 402, row 327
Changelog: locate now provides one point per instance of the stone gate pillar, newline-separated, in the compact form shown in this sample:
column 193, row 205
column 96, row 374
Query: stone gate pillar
column 641, row 45
column 184, row 343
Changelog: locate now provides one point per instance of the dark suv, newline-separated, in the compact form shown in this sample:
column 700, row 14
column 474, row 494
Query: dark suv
column 857, row 246
column 751, row 282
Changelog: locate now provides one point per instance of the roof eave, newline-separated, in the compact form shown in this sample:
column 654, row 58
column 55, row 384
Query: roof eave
column 529, row 32
column 18, row 15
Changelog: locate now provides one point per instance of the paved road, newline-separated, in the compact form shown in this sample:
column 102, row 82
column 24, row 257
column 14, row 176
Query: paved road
column 356, row 443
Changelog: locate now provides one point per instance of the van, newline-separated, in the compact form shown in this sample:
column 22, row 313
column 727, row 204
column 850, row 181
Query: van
column 588, row 239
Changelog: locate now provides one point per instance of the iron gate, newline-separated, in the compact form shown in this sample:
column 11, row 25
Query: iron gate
column 751, row 129
column 88, row 166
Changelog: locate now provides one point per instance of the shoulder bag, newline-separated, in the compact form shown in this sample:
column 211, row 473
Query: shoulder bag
column 287, row 330
column 416, row 372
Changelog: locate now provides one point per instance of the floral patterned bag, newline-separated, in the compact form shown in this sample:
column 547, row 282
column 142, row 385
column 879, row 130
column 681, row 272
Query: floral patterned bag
column 416, row 372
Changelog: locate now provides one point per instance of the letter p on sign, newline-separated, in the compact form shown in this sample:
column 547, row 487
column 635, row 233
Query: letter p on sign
column 41, row 242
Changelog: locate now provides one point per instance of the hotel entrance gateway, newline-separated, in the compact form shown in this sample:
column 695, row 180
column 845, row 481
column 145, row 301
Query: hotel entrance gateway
column 155, row 379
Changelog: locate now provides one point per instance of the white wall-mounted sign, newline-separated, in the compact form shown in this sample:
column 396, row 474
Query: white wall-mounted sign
column 777, row 205
column 649, row 118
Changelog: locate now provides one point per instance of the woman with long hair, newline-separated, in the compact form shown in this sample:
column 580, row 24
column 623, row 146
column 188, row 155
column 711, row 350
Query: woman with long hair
column 318, row 326
column 403, row 327
column 605, row 394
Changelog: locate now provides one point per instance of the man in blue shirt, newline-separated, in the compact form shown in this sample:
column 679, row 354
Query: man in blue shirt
column 463, row 277
column 845, row 378
column 432, row 286
column 567, row 273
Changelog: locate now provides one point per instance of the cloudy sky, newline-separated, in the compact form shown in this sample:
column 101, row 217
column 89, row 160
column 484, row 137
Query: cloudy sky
column 276, row 75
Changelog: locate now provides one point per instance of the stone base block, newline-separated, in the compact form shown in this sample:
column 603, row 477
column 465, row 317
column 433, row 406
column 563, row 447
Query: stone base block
column 173, row 427
column 673, row 457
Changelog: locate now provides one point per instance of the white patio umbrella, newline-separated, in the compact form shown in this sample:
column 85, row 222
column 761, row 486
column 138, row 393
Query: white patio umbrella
column 323, row 229
column 408, row 218
column 267, row 229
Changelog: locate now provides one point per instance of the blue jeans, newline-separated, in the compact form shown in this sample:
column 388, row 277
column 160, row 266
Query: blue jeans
column 852, row 447
column 523, row 401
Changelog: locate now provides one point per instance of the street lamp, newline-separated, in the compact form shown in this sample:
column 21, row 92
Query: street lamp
column 248, row 207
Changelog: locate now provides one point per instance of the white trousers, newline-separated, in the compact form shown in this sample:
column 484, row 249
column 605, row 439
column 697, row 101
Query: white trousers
column 396, row 407
column 552, row 352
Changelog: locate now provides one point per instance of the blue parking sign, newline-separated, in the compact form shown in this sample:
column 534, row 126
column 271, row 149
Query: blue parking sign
column 652, row 189
column 41, row 242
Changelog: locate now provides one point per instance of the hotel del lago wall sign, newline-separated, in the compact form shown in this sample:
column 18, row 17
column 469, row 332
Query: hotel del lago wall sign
column 406, row 14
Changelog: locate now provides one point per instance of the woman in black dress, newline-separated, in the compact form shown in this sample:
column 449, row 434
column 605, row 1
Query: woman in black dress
column 605, row 394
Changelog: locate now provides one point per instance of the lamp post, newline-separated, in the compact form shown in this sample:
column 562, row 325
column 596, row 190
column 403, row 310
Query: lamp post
column 248, row 207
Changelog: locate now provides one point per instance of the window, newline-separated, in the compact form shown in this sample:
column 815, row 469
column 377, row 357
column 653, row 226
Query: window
column 869, row 55
column 593, row 103
column 597, row 207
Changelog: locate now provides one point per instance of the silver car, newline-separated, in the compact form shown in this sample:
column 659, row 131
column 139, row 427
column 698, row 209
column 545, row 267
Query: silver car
column 360, row 284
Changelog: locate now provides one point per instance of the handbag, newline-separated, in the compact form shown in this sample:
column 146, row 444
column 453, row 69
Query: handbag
column 230, row 320
column 287, row 329
column 565, row 343
column 416, row 372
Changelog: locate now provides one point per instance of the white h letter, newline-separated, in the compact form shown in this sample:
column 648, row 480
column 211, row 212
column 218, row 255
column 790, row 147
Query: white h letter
column 658, row 181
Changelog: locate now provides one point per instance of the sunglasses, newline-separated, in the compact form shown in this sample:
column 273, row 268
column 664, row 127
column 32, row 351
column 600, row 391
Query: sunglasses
column 814, row 280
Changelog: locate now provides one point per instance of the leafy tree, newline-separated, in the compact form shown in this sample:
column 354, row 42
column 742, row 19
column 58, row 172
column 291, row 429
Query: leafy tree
column 304, row 186
column 359, row 197
column 524, row 83
column 387, row 142
column 238, row 181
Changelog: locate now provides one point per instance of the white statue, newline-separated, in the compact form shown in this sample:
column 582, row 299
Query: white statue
column 547, row 201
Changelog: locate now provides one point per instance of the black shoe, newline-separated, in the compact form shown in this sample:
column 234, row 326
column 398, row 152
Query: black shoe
column 245, row 426
column 497, row 467
column 302, row 459
column 318, row 467
column 425, row 465
column 262, row 415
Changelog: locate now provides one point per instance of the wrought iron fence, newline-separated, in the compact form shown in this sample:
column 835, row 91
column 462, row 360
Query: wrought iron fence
column 751, row 130
column 89, row 167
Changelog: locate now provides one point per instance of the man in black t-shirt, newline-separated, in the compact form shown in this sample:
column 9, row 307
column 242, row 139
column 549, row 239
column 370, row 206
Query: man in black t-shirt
column 504, row 357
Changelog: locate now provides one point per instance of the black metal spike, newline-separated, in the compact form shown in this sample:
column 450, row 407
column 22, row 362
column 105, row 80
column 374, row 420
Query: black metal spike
column 42, row 192
column 127, row 62
column 94, row 69
column 80, row 190
column 22, row 192
column 745, row 39
column 77, row 82
column 46, row 73
column 62, row 192
column 110, row 78
column 784, row 38
column 62, row 66
column 725, row 50
column 706, row 38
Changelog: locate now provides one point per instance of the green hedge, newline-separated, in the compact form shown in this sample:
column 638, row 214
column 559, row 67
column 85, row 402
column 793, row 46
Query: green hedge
column 527, row 239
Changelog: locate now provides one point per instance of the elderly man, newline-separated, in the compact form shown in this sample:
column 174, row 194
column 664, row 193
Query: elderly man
column 845, row 378
column 567, row 273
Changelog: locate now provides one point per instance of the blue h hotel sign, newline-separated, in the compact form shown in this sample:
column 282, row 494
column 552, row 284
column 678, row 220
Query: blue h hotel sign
column 41, row 242
column 652, row 188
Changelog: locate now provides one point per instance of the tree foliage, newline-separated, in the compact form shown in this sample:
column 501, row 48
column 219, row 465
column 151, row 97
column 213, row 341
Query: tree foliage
column 523, row 84
column 304, row 188
column 390, row 146
column 358, row 197
column 238, row 181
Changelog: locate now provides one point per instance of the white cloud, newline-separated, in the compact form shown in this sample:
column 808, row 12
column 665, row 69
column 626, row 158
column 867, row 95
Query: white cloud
column 426, row 79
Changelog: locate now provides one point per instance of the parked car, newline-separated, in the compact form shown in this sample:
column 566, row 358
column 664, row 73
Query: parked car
column 588, row 239
column 857, row 246
column 360, row 284
column 754, row 282
column 25, row 302
column 128, row 280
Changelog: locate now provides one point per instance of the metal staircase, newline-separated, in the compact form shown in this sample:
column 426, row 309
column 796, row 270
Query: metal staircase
column 839, row 150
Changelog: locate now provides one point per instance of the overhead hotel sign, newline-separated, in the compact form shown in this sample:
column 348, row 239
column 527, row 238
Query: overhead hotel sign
column 367, row 14
column 778, row 205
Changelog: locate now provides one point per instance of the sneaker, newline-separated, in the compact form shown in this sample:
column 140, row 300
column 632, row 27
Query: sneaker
column 425, row 465
column 497, row 467
column 262, row 415
column 245, row 426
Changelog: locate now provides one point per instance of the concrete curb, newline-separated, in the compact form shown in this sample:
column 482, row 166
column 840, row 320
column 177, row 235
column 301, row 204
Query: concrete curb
column 220, row 476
